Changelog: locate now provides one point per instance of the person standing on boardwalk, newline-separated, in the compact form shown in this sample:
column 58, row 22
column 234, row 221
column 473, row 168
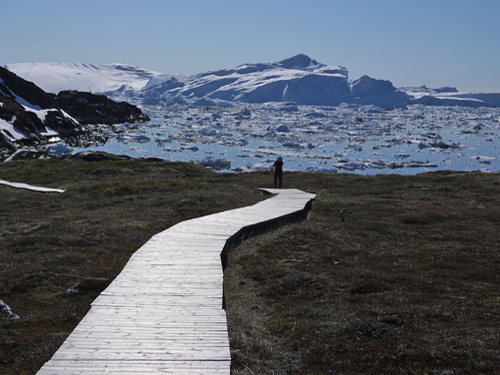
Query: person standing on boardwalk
column 278, row 172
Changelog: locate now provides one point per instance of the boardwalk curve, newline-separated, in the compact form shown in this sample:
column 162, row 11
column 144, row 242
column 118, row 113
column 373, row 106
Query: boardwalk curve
column 163, row 313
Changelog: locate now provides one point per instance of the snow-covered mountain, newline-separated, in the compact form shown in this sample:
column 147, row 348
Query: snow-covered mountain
column 420, row 91
column 298, row 79
column 56, row 77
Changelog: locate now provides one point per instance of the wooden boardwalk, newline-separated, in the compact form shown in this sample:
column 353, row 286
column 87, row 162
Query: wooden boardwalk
column 163, row 313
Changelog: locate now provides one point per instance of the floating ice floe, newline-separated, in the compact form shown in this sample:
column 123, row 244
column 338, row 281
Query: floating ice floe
column 208, row 132
column 283, row 107
column 370, row 109
column 190, row 148
column 123, row 127
column 483, row 159
column 226, row 141
column 214, row 163
column 161, row 142
column 59, row 149
column 248, row 134
column 401, row 156
column 282, row 129
column 290, row 144
column 357, row 164
column 134, row 137
column 315, row 168
column 315, row 115
column 442, row 144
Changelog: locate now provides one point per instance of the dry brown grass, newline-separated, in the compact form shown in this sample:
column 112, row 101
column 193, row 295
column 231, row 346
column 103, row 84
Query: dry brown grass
column 50, row 242
column 408, row 284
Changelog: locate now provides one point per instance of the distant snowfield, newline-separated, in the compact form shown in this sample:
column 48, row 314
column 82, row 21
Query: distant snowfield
column 365, row 140
column 55, row 77
column 299, row 79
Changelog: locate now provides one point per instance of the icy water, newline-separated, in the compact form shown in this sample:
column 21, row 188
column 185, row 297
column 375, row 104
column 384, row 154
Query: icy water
column 365, row 140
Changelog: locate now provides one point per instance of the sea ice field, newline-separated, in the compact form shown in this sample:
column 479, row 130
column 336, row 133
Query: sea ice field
column 360, row 139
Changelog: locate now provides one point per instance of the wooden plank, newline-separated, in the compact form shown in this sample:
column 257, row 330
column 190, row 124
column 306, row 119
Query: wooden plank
column 163, row 313
column 137, row 367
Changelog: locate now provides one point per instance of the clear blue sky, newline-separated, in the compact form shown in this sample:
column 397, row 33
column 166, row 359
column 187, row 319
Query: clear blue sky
column 409, row 42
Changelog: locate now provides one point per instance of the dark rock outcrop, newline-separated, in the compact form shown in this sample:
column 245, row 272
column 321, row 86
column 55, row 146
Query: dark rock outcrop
column 6, row 144
column 90, row 108
column 93, row 156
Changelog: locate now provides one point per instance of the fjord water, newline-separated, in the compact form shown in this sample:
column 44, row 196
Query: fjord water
column 365, row 140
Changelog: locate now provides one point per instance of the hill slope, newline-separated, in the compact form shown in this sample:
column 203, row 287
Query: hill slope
column 28, row 115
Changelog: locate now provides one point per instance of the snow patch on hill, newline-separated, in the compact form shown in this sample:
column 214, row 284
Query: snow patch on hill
column 8, row 130
column 56, row 77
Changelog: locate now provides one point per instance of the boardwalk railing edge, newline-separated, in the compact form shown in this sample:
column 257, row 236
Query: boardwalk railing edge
column 253, row 230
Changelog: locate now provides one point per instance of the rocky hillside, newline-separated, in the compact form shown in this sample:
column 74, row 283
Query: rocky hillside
column 90, row 108
column 28, row 115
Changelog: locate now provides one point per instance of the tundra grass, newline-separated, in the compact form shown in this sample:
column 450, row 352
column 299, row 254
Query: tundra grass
column 408, row 283
column 51, row 242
